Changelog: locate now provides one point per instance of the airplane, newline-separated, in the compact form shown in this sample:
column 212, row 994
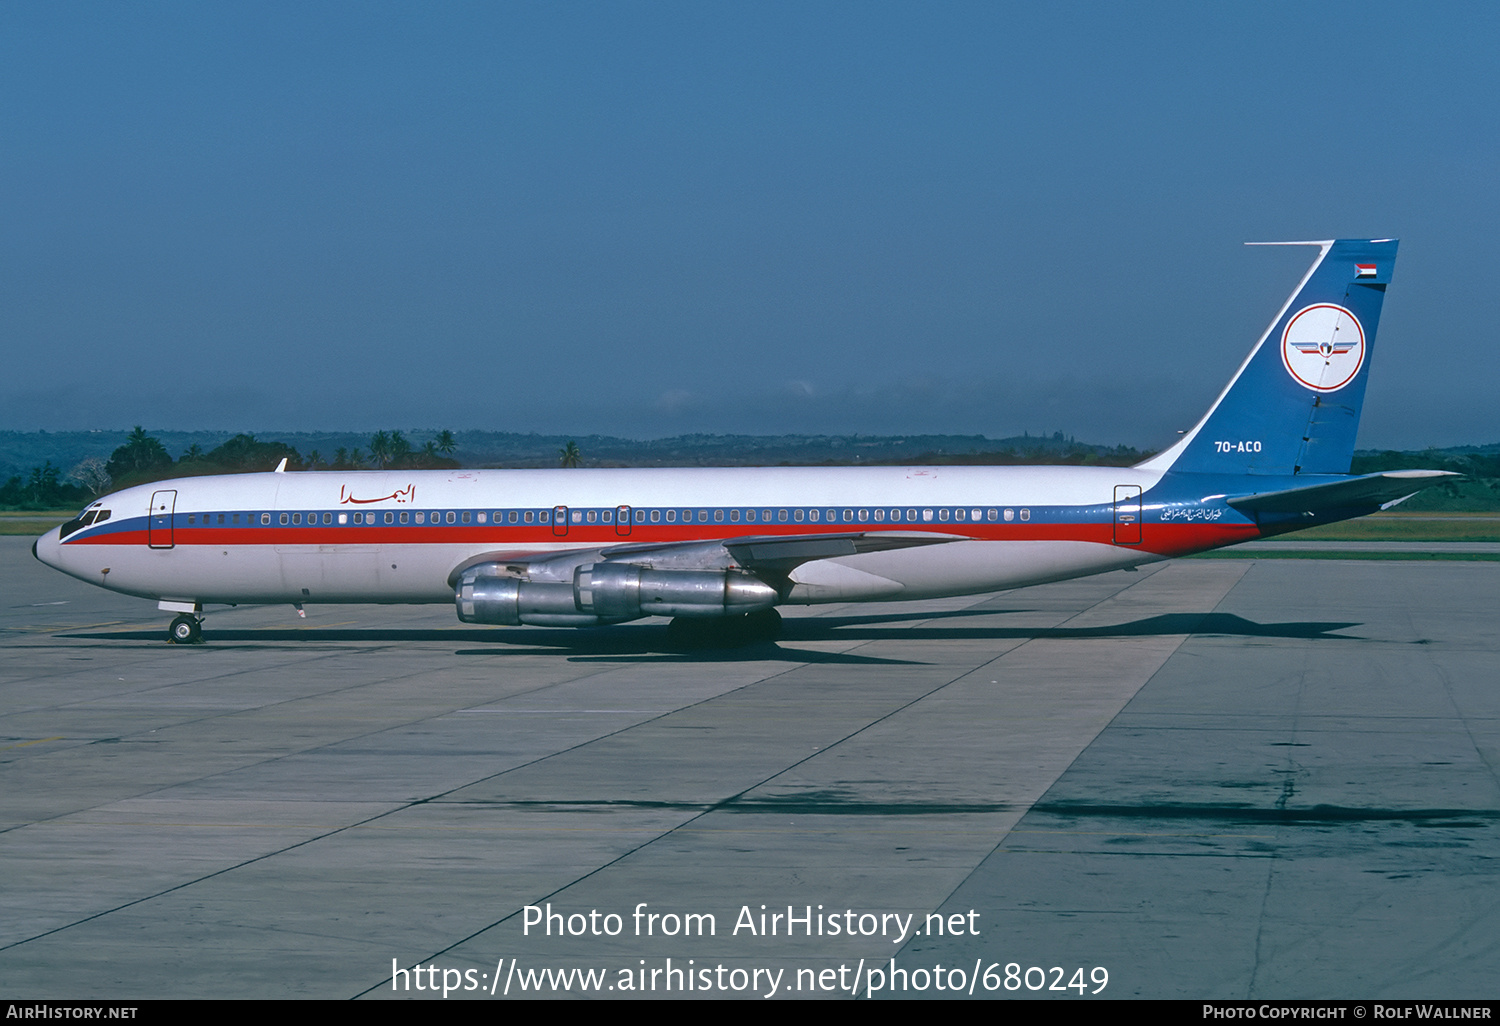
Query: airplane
column 717, row 550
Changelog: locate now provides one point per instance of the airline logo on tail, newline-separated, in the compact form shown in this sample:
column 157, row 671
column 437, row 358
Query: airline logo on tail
column 1323, row 347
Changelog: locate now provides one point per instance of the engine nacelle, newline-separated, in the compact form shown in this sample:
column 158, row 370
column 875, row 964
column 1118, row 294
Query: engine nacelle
column 490, row 598
column 624, row 591
column 606, row 593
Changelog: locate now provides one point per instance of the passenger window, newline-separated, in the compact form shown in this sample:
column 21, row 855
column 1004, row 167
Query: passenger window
column 812, row 515
column 405, row 516
column 390, row 518
column 1010, row 515
column 976, row 514
column 718, row 516
column 284, row 519
column 943, row 514
column 895, row 515
column 797, row 515
column 993, row 515
column 481, row 518
column 1025, row 514
column 527, row 517
column 327, row 518
column 864, row 515
column 671, row 516
column 749, row 516
column 781, row 515
column 656, row 516
column 296, row 518
column 265, row 518
column 465, row 517
column 879, row 516
column 512, row 517
column 450, row 516
column 958, row 514
column 591, row 516
column 927, row 516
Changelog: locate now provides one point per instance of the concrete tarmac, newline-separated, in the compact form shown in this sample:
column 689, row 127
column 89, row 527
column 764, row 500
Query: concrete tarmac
column 1212, row 778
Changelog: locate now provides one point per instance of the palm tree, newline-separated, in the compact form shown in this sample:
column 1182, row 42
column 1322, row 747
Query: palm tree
column 445, row 443
column 380, row 448
column 569, row 456
column 400, row 447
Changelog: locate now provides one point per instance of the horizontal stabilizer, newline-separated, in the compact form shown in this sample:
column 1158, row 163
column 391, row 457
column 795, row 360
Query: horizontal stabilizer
column 1366, row 490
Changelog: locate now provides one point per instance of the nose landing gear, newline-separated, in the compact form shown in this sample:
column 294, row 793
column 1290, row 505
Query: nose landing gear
column 185, row 630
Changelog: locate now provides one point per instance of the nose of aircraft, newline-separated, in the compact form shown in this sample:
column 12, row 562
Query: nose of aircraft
column 46, row 548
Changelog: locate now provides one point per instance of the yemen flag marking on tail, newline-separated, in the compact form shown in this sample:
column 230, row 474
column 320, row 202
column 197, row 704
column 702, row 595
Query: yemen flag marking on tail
column 1364, row 270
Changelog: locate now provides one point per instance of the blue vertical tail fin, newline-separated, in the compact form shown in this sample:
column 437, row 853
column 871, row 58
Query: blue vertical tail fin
column 1293, row 406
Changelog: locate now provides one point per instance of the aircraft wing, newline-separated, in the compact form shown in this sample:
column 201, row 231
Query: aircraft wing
column 768, row 555
column 1366, row 490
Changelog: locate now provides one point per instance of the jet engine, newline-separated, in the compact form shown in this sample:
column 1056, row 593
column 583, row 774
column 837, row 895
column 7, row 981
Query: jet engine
column 604, row 593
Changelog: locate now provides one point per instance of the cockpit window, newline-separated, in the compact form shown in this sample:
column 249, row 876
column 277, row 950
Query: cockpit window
column 82, row 520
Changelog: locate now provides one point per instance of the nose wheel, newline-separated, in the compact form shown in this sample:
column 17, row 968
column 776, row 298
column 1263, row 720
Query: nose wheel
column 185, row 630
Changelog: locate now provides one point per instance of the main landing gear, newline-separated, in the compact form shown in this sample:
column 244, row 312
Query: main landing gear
column 185, row 630
column 686, row 632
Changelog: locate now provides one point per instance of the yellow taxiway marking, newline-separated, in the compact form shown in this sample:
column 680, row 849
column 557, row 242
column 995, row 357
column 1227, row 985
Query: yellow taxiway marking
column 38, row 741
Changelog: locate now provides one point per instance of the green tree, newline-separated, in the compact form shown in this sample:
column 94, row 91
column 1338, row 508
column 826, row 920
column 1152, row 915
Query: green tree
column 141, row 457
column 380, row 449
column 245, row 452
column 445, row 443
column 569, row 456
column 400, row 449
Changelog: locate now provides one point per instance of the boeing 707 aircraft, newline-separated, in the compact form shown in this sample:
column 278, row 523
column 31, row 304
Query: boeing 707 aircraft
column 718, row 550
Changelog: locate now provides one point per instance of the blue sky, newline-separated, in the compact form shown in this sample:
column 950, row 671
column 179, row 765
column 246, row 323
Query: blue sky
column 647, row 219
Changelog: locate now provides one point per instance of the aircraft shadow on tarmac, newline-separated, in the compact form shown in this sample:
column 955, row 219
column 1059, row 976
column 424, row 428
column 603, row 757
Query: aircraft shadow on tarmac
column 650, row 642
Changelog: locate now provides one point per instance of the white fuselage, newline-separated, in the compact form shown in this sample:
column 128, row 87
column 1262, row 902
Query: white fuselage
column 397, row 536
